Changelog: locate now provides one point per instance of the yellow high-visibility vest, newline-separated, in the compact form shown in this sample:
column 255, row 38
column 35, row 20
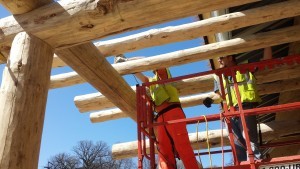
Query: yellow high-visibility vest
column 163, row 92
column 247, row 88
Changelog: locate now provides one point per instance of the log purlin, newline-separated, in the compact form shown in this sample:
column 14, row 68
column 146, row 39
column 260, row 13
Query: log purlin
column 270, row 131
column 283, row 72
column 224, row 48
column 115, row 113
column 229, row 47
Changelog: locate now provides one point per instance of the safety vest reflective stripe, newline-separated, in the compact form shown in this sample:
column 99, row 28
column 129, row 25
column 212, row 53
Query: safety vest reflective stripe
column 247, row 80
column 247, row 88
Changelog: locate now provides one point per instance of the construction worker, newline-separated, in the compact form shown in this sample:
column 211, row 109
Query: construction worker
column 250, row 99
column 172, row 137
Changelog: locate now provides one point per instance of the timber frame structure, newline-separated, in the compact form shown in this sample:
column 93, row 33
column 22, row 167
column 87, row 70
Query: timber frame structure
column 44, row 34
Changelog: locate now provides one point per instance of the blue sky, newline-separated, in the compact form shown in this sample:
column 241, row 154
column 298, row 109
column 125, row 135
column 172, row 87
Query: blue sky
column 65, row 126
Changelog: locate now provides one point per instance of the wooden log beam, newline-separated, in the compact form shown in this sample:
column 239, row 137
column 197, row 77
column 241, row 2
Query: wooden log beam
column 87, row 61
column 96, row 101
column 229, row 47
column 116, row 113
column 65, row 79
column 279, row 86
column 25, row 81
column 284, row 72
column 270, row 131
column 107, row 115
column 279, row 73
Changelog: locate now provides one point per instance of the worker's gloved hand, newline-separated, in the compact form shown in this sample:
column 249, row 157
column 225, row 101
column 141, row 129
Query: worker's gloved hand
column 207, row 102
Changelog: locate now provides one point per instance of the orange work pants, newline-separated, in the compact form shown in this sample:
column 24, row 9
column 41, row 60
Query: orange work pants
column 179, row 135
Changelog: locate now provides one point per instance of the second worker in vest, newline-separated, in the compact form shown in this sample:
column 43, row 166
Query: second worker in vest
column 168, row 107
column 249, row 98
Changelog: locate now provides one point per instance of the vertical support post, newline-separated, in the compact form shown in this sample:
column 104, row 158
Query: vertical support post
column 23, row 97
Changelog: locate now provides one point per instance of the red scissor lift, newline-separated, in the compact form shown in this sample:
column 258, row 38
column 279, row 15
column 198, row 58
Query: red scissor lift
column 146, row 138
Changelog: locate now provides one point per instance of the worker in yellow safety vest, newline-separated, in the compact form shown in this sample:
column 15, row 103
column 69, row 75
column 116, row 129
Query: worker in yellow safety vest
column 249, row 98
column 168, row 107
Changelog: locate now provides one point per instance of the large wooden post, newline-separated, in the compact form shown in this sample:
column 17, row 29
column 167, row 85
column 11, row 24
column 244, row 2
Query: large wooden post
column 23, row 97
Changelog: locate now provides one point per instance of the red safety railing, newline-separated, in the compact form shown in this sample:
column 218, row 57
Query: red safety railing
column 145, row 124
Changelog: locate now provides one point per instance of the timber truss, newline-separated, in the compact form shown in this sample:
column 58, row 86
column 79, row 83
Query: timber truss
column 43, row 34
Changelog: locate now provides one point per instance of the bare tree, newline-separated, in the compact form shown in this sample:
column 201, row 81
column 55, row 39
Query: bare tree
column 92, row 156
column 63, row 161
column 88, row 155
column 123, row 164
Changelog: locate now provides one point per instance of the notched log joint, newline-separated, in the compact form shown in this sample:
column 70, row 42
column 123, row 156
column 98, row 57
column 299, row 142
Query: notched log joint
column 102, row 9
column 106, row 6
